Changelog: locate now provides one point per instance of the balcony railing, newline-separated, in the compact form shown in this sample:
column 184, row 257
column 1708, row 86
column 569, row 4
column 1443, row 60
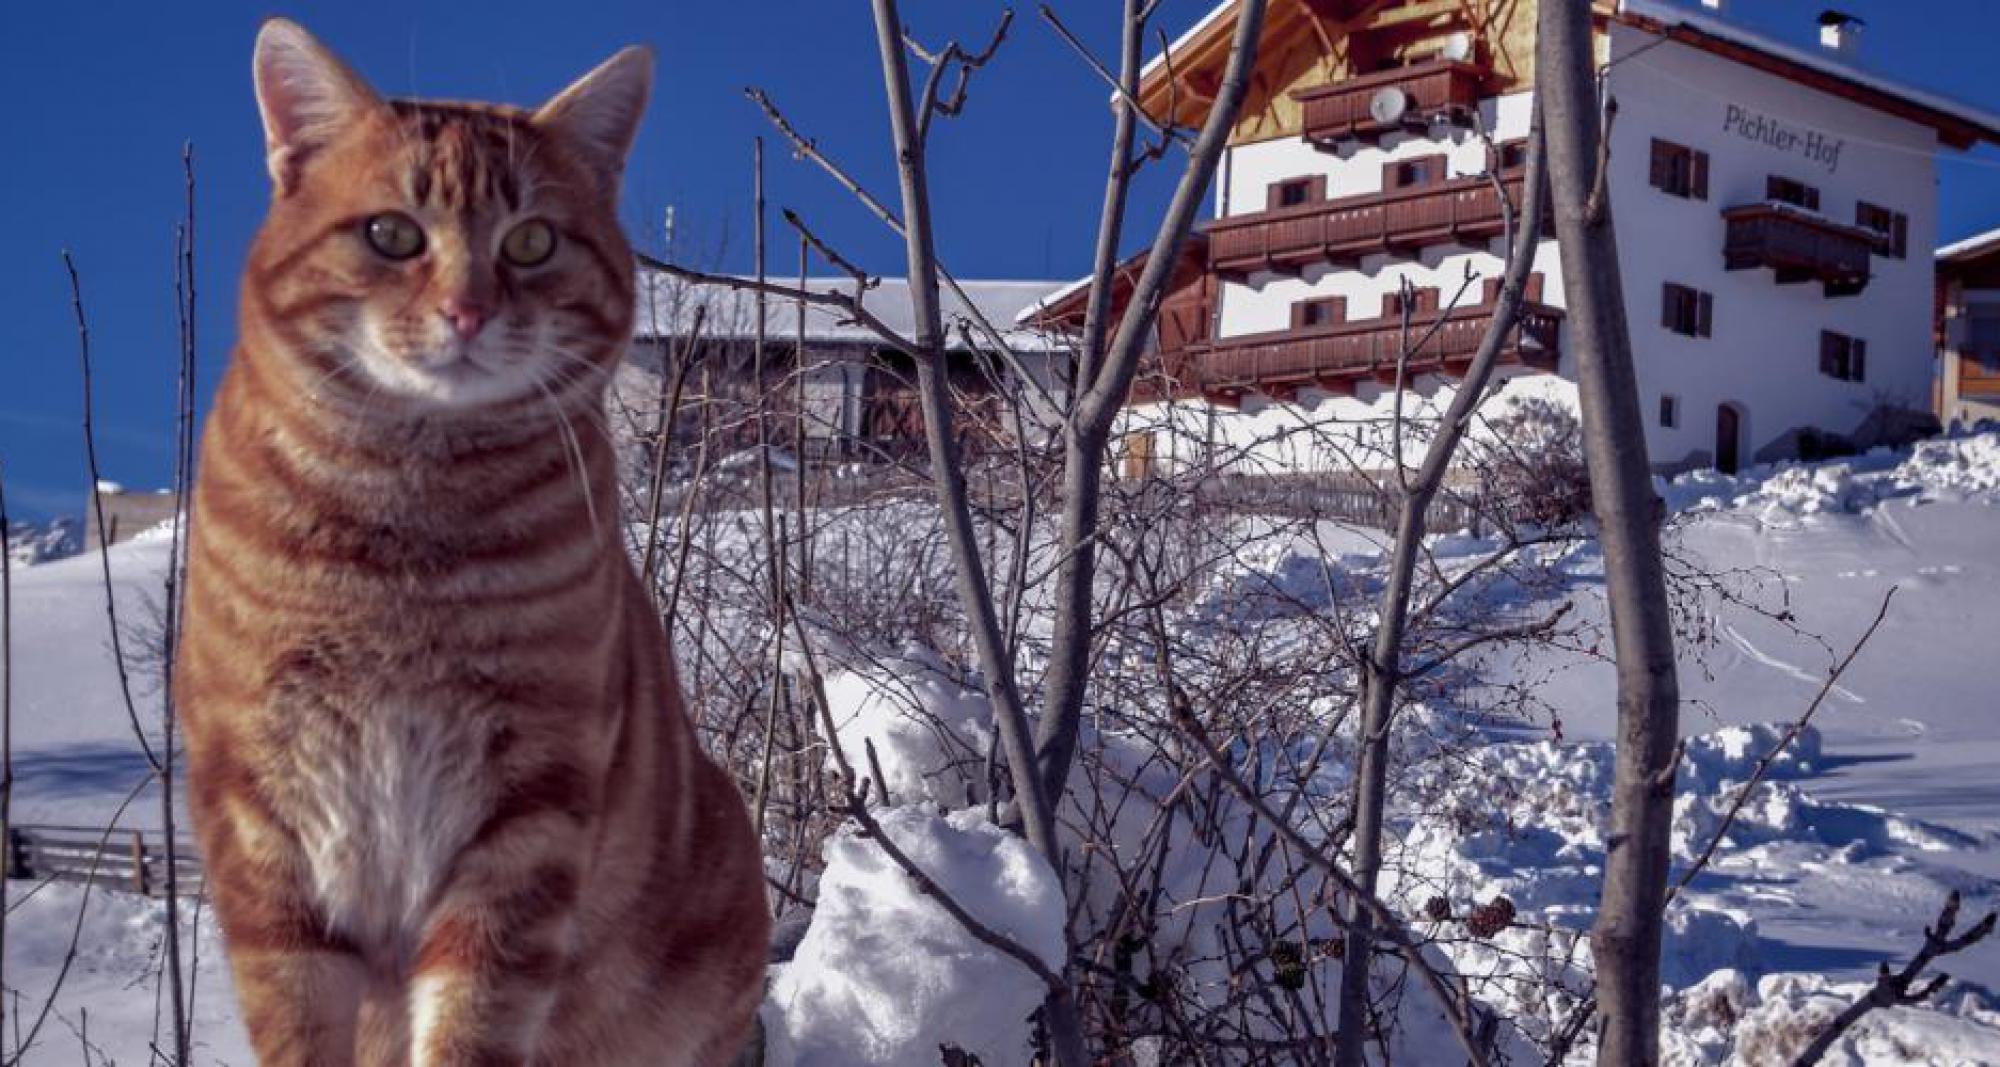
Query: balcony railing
column 1798, row 246
column 1336, row 357
column 1438, row 89
column 1345, row 229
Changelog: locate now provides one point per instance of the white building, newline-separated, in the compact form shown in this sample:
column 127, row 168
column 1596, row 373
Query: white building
column 1775, row 208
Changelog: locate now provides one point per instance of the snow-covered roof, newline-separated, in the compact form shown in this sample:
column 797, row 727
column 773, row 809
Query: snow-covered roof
column 1181, row 42
column 667, row 308
column 1971, row 246
column 1812, row 58
column 1695, row 20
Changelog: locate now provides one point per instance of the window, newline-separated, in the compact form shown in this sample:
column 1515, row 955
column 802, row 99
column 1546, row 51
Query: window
column 1513, row 155
column 1894, row 226
column 1670, row 410
column 1842, row 357
column 1788, row 191
column 1687, row 311
column 1412, row 173
column 1420, row 302
column 1679, row 170
column 1325, row 311
column 1294, row 192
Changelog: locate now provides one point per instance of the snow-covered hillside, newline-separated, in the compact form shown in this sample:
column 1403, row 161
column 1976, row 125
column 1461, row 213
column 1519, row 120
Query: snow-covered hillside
column 1836, row 863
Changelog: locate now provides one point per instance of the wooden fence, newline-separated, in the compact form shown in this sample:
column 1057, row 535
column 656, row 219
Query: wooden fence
column 132, row 860
column 1348, row 498
column 1341, row 497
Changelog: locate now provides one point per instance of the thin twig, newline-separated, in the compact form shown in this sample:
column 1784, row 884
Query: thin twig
column 1899, row 989
column 97, row 501
column 1406, row 945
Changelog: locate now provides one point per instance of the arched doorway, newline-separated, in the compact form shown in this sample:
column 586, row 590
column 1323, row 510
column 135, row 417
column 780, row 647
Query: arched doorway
column 1728, row 438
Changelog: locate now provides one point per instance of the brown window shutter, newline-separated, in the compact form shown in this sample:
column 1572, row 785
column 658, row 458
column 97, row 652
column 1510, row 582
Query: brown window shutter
column 1670, row 305
column 1857, row 360
column 1317, row 187
column 1534, row 292
column 1698, row 169
column 1704, row 325
column 1829, row 358
column 1899, row 236
column 1489, row 291
column 1427, row 301
column 1662, row 163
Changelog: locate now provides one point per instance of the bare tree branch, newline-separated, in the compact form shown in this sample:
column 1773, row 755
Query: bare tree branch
column 1899, row 989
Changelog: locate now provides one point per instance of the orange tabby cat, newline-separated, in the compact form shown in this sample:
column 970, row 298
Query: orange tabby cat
column 445, row 784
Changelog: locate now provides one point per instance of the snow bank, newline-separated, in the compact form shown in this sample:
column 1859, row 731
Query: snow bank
column 119, row 947
column 1946, row 467
column 886, row 976
column 1727, row 1021
column 930, row 735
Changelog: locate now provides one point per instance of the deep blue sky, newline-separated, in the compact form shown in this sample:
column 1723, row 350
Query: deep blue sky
column 101, row 96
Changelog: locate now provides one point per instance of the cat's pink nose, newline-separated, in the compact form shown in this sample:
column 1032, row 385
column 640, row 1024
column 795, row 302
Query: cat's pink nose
column 467, row 318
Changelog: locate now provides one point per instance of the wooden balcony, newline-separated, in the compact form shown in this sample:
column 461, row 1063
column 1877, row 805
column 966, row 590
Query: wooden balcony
column 1337, row 357
column 1798, row 246
column 1440, row 89
column 1341, row 231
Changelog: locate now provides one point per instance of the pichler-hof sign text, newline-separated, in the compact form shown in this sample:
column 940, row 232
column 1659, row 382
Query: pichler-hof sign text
column 1817, row 147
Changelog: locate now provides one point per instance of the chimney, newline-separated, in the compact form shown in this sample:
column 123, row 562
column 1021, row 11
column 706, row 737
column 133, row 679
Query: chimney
column 1840, row 33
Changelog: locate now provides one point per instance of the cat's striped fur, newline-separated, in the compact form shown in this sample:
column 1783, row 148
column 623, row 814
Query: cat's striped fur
column 451, row 803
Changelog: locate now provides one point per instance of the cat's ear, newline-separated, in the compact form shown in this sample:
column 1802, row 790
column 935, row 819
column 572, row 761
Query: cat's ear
column 600, row 111
column 305, row 94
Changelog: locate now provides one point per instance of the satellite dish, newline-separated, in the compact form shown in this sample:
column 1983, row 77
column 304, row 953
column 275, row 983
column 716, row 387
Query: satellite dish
column 1458, row 47
column 1388, row 105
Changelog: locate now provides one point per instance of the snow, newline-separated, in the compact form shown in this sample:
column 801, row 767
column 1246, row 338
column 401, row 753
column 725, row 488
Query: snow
column 929, row 735
column 886, row 976
column 1969, row 246
column 1886, row 803
column 108, row 994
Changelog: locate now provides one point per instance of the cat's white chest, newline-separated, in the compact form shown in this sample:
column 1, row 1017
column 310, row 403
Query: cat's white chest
column 394, row 812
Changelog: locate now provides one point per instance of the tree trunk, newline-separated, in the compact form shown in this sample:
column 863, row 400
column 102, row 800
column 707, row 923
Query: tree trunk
column 1102, row 394
column 1059, row 1015
column 1626, row 939
column 1384, row 668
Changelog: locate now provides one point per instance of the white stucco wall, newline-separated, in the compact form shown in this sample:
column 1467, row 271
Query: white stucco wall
column 1764, row 354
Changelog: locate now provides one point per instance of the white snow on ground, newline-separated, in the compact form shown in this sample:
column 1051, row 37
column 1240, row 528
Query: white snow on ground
column 1836, row 863
column 886, row 976
column 919, row 724
column 107, row 998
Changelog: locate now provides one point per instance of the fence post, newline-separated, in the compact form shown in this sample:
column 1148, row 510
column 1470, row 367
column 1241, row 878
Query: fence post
column 139, row 863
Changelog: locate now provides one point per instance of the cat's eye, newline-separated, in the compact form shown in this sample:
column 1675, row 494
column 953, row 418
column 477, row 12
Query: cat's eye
column 394, row 235
column 530, row 244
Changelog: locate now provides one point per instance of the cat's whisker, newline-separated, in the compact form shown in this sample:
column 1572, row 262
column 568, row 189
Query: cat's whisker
column 575, row 453
column 344, row 365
